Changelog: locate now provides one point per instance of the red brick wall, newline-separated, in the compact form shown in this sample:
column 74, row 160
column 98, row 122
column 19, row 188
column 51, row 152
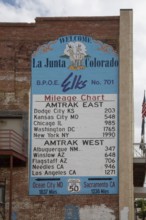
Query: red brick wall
column 17, row 42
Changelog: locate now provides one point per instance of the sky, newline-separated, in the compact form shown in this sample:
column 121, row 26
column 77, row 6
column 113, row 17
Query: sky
column 28, row 10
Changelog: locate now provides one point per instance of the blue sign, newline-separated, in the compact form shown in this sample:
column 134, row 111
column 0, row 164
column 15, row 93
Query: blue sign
column 72, row 212
column 74, row 118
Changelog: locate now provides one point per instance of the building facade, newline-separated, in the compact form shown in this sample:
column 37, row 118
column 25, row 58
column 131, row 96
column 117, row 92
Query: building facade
column 27, row 50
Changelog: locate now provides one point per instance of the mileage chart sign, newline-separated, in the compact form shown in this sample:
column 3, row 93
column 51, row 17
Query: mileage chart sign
column 74, row 118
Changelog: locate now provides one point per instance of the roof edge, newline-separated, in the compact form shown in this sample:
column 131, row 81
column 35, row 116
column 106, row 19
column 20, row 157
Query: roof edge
column 78, row 18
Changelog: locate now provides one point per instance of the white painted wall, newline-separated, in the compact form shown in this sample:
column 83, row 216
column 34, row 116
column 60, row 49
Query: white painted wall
column 96, row 213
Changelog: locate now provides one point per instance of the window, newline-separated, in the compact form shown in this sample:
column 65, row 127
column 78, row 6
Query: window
column 2, row 199
column 2, row 194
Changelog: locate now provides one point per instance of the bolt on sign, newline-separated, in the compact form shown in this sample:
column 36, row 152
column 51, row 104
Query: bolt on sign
column 74, row 118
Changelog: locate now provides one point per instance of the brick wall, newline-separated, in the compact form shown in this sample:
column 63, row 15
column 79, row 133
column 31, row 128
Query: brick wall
column 17, row 43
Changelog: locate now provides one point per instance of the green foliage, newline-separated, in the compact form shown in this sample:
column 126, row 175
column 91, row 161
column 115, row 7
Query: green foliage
column 141, row 205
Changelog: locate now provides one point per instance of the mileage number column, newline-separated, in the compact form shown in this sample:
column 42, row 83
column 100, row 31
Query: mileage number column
column 110, row 132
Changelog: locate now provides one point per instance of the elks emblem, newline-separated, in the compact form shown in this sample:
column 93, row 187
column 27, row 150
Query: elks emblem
column 76, row 52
